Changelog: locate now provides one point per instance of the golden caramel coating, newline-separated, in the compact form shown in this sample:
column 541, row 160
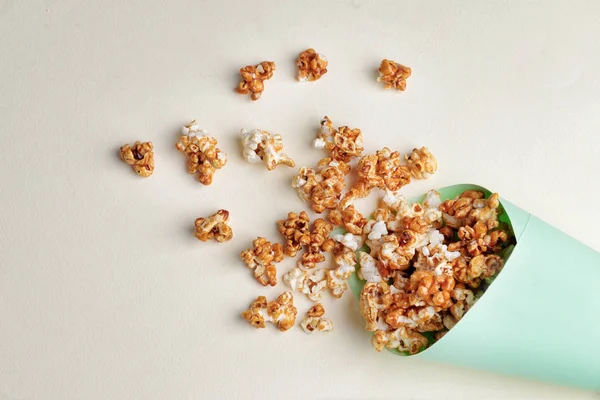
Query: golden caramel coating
column 314, row 320
column 437, row 254
column 214, row 227
column 393, row 75
column 343, row 143
column 311, row 66
column 203, row 156
column 281, row 312
column 262, row 258
column 140, row 157
column 295, row 229
column 319, row 242
column 322, row 187
column 421, row 163
column 253, row 77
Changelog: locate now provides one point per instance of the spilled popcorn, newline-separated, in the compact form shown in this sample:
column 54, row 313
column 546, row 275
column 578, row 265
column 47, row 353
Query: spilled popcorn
column 203, row 156
column 427, row 265
column 259, row 145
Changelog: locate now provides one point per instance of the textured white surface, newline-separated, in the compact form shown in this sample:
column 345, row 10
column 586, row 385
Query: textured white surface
column 104, row 291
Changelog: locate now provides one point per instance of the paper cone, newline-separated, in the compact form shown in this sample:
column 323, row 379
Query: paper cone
column 540, row 318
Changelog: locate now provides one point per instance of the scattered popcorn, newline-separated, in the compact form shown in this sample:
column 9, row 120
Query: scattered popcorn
column 214, row 227
column 311, row 66
column 311, row 283
column 436, row 254
column 323, row 186
column 314, row 320
column 343, row 143
column 204, row 158
column 280, row 312
column 421, row 163
column 253, row 77
column 349, row 218
column 259, row 145
column 140, row 157
column 393, row 75
column 319, row 242
column 295, row 230
column 262, row 259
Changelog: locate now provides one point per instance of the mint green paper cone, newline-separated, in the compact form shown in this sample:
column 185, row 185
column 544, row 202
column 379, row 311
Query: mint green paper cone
column 540, row 318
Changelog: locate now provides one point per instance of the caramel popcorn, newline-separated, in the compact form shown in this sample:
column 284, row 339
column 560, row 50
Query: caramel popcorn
column 345, row 258
column 311, row 66
column 140, row 157
column 323, row 186
column 214, row 227
column 436, row 253
column 375, row 298
column 343, row 143
column 314, row 320
column 421, row 163
column 253, row 77
column 280, row 312
column 349, row 218
column 402, row 339
column 311, row 283
column 204, row 158
column 393, row 75
column 295, row 230
column 383, row 170
column 319, row 242
column 262, row 259
column 259, row 145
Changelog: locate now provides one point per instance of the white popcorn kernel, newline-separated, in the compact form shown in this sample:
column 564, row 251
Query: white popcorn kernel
column 348, row 240
column 319, row 143
column 368, row 268
column 378, row 230
column 259, row 145
column 432, row 199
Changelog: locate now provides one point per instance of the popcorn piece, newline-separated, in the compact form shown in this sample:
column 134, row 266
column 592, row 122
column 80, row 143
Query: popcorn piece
column 393, row 75
column 375, row 297
column 259, row 145
column 421, row 163
column 296, row 232
column 319, row 242
column 343, row 143
column 280, row 312
column 348, row 240
column 140, row 157
column 253, row 77
column 345, row 257
column 350, row 218
column 323, row 186
column 397, row 251
column 433, row 274
column 214, row 227
column 435, row 290
column 314, row 320
column 311, row 283
column 262, row 258
column 389, row 167
column 311, row 66
column 204, row 158
column 368, row 268
column 402, row 339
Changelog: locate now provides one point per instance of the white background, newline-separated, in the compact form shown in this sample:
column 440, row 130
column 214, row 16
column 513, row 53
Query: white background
column 104, row 291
